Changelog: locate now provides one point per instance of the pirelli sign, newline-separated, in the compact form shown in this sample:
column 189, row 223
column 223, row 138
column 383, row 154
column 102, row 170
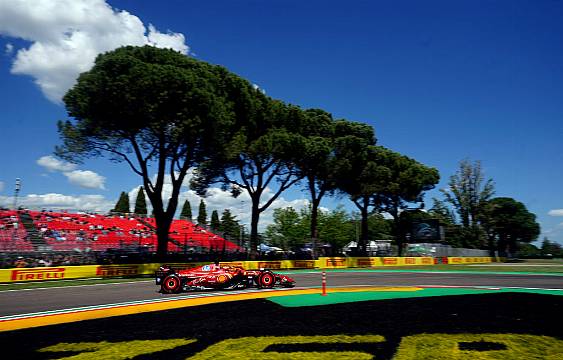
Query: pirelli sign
column 304, row 264
column 270, row 265
column 38, row 274
column 117, row 270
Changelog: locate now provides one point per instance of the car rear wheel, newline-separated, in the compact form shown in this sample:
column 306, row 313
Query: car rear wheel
column 171, row 284
column 266, row 280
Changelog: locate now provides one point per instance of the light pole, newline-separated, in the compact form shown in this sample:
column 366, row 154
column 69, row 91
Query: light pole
column 16, row 193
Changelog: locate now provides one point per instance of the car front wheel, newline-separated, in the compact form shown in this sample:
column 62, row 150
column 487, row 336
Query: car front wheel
column 171, row 284
column 266, row 280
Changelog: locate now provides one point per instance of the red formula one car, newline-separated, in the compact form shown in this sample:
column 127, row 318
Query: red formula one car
column 214, row 276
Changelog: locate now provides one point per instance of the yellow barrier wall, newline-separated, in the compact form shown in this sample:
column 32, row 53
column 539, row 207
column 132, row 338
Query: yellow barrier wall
column 389, row 261
column 74, row 272
column 365, row 261
column 469, row 260
column 333, row 262
column 108, row 271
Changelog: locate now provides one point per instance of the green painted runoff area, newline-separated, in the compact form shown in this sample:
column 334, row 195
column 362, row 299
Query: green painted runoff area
column 461, row 271
column 344, row 297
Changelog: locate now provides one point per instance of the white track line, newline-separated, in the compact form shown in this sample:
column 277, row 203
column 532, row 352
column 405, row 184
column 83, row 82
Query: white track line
column 137, row 302
column 484, row 287
column 74, row 286
column 520, row 265
column 233, row 292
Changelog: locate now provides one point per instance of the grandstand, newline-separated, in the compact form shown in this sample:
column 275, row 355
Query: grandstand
column 13, row 236
column 31, row 231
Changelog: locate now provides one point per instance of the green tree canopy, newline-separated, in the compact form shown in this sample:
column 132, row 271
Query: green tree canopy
column 551, row 248
column 141, row 203
column 229, row 225
column 509, row 222
column 440, row 211
column 202, row 214
column 215, row 224
column 156, row 110
column 379, row 228
column 261, row 156
column 288, row 230
column 467, row 193
column 529, row 251
column 122, row 206
column 335, row 229
column 380, row 179
column 357, row 172
column 316, row 160
column 318, row 163
column 186, row 213
column 406, row 182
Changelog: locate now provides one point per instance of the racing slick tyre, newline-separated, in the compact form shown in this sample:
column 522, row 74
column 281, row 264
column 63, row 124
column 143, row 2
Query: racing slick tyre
column 171, row 284
column 266, row 280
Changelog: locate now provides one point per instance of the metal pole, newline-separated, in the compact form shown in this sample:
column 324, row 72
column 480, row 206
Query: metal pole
column 324, row 283
column 16, row 193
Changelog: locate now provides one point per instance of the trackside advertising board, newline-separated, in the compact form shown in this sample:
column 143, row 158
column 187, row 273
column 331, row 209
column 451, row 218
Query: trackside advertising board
column 74, row 272
column 109, row 271
column 469, row 260
column 389, row 261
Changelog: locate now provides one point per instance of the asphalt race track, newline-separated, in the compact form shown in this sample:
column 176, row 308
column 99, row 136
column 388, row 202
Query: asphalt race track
column 36, row 300
column 483, row 315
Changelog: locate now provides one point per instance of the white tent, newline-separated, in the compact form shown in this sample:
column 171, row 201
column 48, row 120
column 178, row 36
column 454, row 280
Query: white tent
column 267, row 248
column 373, row 245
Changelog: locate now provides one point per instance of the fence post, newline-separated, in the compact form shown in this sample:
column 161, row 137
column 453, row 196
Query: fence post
column 324, row 283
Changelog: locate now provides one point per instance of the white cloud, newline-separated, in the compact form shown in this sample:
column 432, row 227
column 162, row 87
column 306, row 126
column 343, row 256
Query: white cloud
column 83, row 178
column 53, row 201
column 170, row 40
column 1, row 186
column 240, row 207
column 256, row 87
column 67, row 35
column 9, row 48
column 220, row 200
column 53, row 164
column 86, row 179
column 555, row 212
column 216, row 200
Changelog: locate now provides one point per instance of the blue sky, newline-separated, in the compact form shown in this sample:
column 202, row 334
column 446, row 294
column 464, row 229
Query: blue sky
column 440, row 81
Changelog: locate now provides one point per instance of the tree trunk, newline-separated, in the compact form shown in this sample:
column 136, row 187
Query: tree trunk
column 314, row 225
column 502, row 245
column 163, row 218
column 399, row 233
column 364, row 233
column 491, row 241
column 162, row 226
column 255, row 217
column 162, row 230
